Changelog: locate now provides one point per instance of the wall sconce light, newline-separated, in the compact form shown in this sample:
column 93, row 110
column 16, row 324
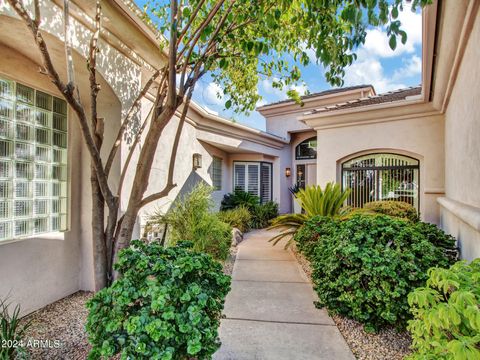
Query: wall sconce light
column 288, row 172
column 197, row 161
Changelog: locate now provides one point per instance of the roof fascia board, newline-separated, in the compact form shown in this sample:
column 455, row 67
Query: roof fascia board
column 290, row 107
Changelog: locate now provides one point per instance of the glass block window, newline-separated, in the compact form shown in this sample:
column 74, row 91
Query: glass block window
column 217, row 173
column 33, row 161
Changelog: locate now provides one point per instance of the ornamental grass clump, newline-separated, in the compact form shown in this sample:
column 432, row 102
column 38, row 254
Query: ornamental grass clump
column 167, row 304
column 365, row 267
column 446, row 314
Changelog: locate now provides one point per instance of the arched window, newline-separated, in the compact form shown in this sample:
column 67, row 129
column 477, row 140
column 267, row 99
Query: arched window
column 376, row 177
column 307, row 149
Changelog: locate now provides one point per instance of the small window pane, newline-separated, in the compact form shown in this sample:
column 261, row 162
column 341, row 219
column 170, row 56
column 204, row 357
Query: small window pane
column 307, row 149
column 6, row 187
column 25, row 113
column 6, row 128
column 41, row 206
column 59, row 122
column 5, row 169
column 5, row 230
column 60, row 139
column 44, row 101
column 23, row 170
column 59, row 156
column 217, row 173
column 42, row 171
column 23, row 189
column 6, row 89
column 42, row 189
column 23, row 208
column 59, row 106
column 22, row 227
column 40, row 225
column 42, row 153
column 59, row 172
column 59, row 189
column 6, row 148
column 24, row 132
column 6, row 108
column 5, row 209
column 24, row 94
column 23, row 151
column 43, row 136
column 43, row 118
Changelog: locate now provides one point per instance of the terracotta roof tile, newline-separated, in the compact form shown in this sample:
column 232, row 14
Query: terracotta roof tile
column 391, row 96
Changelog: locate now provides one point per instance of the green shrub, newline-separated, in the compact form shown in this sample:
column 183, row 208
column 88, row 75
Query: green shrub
column 239, row 218
column 12, row 331
column 398, row 209
column 239, row 198
column 263, row 213
column 366, row 266
column 446, row 312
column 314, row 201
column 191, row 219
column 166, row 305
column 312, row 232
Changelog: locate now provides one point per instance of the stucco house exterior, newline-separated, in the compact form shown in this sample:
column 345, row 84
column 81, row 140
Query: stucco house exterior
column 419, row 144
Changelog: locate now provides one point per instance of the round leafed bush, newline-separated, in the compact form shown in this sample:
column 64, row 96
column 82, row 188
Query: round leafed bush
column 367, row 265
column 166, row 305
column 446, row 323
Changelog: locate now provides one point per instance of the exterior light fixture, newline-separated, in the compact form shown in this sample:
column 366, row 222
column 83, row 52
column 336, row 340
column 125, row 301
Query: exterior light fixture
column 288, row 172
column 197, row 161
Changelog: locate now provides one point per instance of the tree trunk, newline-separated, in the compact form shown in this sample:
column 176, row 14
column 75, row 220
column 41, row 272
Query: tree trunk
column 100, row 263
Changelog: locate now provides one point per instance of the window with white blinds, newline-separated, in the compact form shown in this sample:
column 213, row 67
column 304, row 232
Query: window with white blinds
column 255, row 178
column 33, row 161
column 217, row 173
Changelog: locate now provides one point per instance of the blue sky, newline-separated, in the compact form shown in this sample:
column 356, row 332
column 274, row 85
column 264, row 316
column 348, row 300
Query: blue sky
column 376, row 64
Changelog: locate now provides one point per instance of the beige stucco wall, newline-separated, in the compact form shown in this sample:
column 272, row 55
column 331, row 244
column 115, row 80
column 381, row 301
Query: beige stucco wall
column 460, row 213
column 420, row 137
column 38, row 270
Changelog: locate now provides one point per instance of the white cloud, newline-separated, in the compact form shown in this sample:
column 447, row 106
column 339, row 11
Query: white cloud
column 376, row 42
column 281, row 94
column 412, row 67
column 370, row 71
column 213, row 94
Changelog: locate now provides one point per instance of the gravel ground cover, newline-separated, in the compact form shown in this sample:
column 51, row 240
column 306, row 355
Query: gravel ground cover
column 62, row 321
column 387, row 344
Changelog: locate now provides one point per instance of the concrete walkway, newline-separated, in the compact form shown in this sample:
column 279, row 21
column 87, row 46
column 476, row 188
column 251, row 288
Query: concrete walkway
column 269, row 311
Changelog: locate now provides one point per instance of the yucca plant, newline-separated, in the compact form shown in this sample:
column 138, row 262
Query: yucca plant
column 314, row 201
column 12, row 332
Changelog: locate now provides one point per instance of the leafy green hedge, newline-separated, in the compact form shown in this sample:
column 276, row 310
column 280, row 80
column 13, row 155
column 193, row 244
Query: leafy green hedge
column 446, row 312
column 364, row 267
column 239, row 218
column 261, row 214
column 398, row 209
column 166, row 305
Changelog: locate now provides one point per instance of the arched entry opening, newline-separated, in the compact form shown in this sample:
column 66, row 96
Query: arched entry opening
column 306, row 165
column 381, row 176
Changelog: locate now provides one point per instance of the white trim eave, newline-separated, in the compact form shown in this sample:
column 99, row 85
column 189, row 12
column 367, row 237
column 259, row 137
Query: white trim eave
column 467, row 213
column 392, row 111
column 291, row 106
column 218, row 125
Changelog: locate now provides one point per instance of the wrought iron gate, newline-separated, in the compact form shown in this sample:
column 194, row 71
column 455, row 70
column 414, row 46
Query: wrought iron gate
column 377, row 177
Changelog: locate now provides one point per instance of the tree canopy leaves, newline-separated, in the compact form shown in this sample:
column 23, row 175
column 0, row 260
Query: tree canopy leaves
column 240, row 41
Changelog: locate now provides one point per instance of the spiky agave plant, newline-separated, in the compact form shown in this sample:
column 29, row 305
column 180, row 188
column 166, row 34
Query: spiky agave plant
column 314, row 201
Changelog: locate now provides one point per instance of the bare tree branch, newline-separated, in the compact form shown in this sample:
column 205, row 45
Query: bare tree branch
column 172, row 56
column 134, row 108
column 189, row 23
column 171, row 167
column 68, row 94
